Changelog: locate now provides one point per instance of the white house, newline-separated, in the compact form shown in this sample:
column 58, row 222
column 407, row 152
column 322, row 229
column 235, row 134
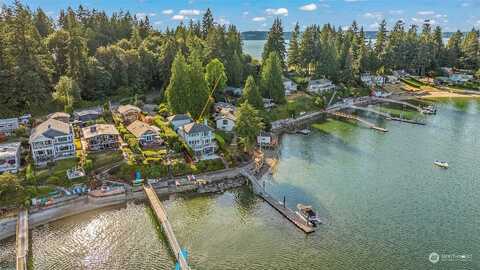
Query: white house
column 371, row 80
column 145, row 133
column 9, row 157
column 290, row 86
column 199, row 137
column 393, row 79
column 266, row 139
column 179, row 120
column 52, row 140
column 268, row 103
column 8, row 126
column 225, row 119
column 459, row 78
column 320, row 86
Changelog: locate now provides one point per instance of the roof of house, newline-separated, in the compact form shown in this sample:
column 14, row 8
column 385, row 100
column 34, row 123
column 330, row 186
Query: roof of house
column 196, row 128
column 9, row 149
column 320, row 81
column 138, row 128
column 179, row 117
column 58, row 114
column 50, row 129
column 225, row 114
column 95, row 111
column 125, row 108
column 99, row 129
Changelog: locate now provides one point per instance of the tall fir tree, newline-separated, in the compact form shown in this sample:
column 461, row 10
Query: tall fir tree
column 271, row 79
column 275, row 42
column 251, row 94
column 293, row 59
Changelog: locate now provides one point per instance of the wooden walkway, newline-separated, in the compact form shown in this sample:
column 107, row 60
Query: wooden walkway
column 162, row 217
column 387, row 115
column 22, row 239
column 361, row 120
column 399, row 102
column 285, row 211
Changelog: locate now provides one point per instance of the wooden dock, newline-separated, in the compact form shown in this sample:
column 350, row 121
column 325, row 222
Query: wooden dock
column 162, row 217
column 282, row 209
column 386, row 115
column 22, row 240
column 358, row 119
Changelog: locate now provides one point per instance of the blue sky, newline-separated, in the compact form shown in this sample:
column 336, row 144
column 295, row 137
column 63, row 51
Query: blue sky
column 258, row 15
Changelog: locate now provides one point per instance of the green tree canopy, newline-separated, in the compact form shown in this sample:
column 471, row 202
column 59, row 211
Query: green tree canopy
column 275, row 43
column 271, row 81
column 248, row 125
column 215, row 75
column 251, row 94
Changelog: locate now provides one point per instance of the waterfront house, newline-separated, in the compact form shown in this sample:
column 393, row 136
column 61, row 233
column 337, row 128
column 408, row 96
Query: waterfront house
column 290, row 86
column 10, row 157
column 266, row 139
column 320, row 86
column 199, row 137
column 60, row 116
column 145, row 133
column 100, row 137
column 50, row 141
column 393, row 79
column 87, row 115
column 225, row 119
column 179, row 120
column 129, row 113
column 8, row 125
column 459, row 78
column 371, row 80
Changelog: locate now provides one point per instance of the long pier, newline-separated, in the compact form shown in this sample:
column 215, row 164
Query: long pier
column 400, row 102
column 280, row 207
column 386, row 115
column 162, row 217
column 22, row 239
column 361, row 120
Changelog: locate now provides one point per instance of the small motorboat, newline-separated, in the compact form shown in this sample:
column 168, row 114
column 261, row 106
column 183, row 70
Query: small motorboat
column 304, row 131
column 306, row 212
column 441, row 164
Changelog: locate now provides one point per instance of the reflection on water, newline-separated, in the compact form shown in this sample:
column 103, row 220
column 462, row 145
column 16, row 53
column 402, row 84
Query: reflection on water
column 386, row 207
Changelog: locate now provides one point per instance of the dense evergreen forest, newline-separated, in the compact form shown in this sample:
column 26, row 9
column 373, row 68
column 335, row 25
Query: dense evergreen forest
column 343, row 55
column 88, row 56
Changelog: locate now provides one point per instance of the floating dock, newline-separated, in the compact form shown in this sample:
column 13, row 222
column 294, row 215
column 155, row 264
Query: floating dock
column 282, row 209
column 22, row 240
column 162, row 217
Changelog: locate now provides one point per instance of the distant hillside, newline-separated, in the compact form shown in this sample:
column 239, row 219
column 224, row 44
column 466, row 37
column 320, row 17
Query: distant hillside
column 262, row 35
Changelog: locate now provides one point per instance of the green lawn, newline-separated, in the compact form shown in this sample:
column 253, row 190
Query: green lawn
column 101, row 159
column 56, row 174
column 293, row 107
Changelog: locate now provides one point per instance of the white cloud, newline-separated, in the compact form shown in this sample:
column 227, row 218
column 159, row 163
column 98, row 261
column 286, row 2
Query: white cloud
column 167, row 12
column 141, row 15
column 190, row 12
column 259, row 19
column 277, row 11
column 373, row 15
column 345, row 27
column 426, row 13
column 396, row 12
column 152, row 14
column 351, row 1
column 373, row 26
column 157, row 22
column 245, row 13
column 477, row 22
column 178, row 17
column 222, row 20
column 309, row 7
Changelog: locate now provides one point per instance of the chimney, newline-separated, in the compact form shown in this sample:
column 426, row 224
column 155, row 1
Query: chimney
column 93, row 129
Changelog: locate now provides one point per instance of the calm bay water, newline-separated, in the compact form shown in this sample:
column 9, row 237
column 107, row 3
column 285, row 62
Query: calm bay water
column 385, row 205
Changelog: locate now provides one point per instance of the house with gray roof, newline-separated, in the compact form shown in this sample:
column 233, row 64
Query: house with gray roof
column 199, row 137
column 50, row 141
column 145, row 133
column 8, row 125
column 87, row 115
column 179, row 120
column 129, row 113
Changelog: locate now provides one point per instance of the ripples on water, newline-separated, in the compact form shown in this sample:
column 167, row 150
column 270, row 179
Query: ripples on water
column 386, row 207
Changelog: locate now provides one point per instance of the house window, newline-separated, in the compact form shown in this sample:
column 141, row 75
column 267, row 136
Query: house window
column 225, row 122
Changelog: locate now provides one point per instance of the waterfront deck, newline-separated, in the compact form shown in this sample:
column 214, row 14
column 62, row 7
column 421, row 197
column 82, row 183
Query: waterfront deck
column 22, row 240
column 162, row 217
column 282, row 209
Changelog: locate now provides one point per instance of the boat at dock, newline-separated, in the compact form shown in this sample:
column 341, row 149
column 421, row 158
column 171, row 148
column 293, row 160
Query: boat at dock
column 305, row 131
column 306, row 213
column 442, row 164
